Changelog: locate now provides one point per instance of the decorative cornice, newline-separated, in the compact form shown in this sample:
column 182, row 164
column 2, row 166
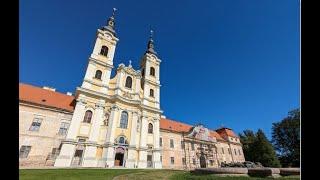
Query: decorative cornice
column 114, row 108
column 129, row 70
column 94, row 83
column 100, row 106
column 97, row 61
column 99, row 94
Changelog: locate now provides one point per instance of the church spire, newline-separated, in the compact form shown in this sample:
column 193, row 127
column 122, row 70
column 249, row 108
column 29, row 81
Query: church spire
column 111, row 23
column 150, row 44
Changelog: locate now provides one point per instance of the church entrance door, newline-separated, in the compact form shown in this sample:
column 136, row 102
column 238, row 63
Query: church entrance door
column 203, row 163
column 118, row 159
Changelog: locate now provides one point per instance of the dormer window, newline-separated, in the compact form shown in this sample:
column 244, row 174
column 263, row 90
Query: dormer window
column 129, row 82
column 152, row 71
column 104, row 51
column 98, row 74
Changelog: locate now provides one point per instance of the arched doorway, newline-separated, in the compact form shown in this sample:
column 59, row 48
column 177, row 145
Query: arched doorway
column 203, row 163
column 119, row 157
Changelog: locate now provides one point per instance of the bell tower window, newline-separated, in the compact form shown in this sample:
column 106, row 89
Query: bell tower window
column 129, row 82
column 151, row 93
column 98, row 74
column 152, row 71
column 104, row 51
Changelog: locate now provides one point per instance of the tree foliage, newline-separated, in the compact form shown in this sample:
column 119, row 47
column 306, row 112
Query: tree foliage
column 286, row 139
column 257, row 148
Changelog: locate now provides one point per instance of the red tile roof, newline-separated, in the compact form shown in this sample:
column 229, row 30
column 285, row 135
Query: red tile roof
column 226, row 132
column 40, row 96
column 171, row 125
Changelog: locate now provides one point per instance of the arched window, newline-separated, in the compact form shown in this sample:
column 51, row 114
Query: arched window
column 152, row 71
column 121, row 140
column 129, row 82
column 124, row 120
column 98, row 74
column 104, row 51
column 150, row 128
column 87, row 116
column 151, row 93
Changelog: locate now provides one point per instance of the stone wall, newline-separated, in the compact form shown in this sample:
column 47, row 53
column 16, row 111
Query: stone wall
column 45, row 139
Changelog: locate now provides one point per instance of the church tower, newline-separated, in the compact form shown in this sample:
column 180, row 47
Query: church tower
column 151, row 113
column 81, row 146
column 150, row 82
column 100, row 65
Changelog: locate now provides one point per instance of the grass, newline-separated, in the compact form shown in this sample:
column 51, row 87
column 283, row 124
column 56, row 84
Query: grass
column 121, row 174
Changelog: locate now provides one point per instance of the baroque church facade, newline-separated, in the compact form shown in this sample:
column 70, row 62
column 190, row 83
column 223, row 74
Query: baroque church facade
column 117, row 121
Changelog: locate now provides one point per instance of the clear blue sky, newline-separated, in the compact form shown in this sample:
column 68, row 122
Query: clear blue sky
column 230, row 62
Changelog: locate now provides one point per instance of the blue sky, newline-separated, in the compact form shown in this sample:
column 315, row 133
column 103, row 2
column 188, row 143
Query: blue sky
column 224, row 62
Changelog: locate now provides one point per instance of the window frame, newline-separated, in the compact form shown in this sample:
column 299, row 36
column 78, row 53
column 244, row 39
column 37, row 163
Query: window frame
column 171, row 143
column 36, row 124
column 86, row 118
column 171, row 160
column 64, row 126
column 104, row 51
column 127, row 83
column 150, row 128
column 124, row 123
column 151, row 93
column 23, row 150
column 152, row 71
column 160, row 141
column 98, row 76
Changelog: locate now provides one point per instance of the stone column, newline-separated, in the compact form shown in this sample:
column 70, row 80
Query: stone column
column 143, row 143
column 108, row 150
column 89, row 159
column 131, row 161
column 68, row 147
column 156, row 152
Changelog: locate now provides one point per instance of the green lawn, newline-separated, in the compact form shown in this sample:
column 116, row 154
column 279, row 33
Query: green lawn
column 119, row 174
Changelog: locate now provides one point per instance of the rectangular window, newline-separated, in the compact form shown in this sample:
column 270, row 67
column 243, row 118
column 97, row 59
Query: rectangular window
column 192, row 146
column 63, row 128
column 171, row 143
column 55, row 153
column 239, row 151
column 182, row 145
column 24, row 151
column 160, row 142
column 36, row 123
column 160, row 158
column 194, row 161
column 222, row 150
column 229, row 150
column 172, row 160
column 235, row 151
column 211, row 162
column 184, row 161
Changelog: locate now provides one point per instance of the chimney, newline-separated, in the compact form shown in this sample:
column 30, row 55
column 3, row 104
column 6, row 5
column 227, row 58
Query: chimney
column 49, row 88
column 69, row 93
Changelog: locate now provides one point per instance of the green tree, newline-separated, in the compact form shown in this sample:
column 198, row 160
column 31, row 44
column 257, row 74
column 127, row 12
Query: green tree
column 247, row 138
column 257, row 148
column 286, row 139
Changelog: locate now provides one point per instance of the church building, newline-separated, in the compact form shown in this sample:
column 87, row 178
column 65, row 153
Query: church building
column 115, row 121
